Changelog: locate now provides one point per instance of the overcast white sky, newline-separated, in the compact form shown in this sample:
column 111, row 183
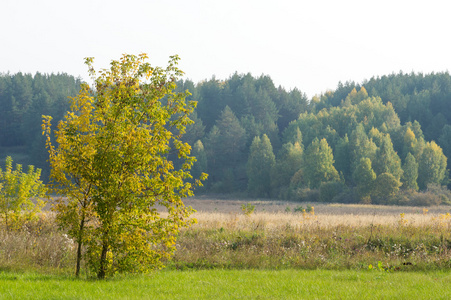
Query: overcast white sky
column 311, row 45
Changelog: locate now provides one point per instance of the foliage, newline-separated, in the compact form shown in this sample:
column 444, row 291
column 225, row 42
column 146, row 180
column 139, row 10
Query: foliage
column 364, row 176
column 259, row 166
column 319, row 164
column 386, row 187
column 289, row 161
column 410, row 174
column 328, row 191
column 248, row 209
column 111, row 162
column 431, row 166
column 200, row 166
column 17, row 192
column 383, row 119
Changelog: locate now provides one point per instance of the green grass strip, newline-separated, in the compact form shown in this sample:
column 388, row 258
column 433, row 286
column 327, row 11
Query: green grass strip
column 234, row 284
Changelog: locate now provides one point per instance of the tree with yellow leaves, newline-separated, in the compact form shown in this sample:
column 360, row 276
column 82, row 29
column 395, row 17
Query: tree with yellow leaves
column 17, row 189
column 110, row 160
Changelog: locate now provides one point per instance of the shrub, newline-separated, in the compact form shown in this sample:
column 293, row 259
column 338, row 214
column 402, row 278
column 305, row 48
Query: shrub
column 441, row 191
column 424, row 199
column 305, row 195
column 329, row 190
column 248, row 209
column 346, row 196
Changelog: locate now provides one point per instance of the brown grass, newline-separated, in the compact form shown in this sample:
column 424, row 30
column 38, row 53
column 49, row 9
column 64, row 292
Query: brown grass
column 338, row 236
column 38, row 245
column 334, row 236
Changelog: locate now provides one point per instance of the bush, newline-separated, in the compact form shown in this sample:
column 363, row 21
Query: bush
column 305, row 195
column 329, row 190
column 441, row 191
column 425, row 199
column 346, row 196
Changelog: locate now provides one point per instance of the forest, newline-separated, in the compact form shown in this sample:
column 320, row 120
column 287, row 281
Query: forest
column 384, row 141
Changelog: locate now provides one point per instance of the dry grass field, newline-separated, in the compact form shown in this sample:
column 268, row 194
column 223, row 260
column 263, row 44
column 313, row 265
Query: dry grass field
column 272, row 235
column 330, row 236
column 218, row 212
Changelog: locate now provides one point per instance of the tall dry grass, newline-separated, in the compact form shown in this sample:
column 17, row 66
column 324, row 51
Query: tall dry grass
column 308, row 240
column 333, row 237
column 38, row 245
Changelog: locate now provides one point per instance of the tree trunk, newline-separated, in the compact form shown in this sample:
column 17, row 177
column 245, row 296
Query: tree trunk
column 103, row 262
column 80, row 241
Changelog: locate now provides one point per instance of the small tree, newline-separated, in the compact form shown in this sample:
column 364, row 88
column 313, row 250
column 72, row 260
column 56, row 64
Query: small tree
column 111, row 162
column 17, row 189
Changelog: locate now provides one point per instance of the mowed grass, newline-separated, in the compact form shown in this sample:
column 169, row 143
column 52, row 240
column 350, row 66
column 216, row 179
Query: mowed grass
column 234, row 284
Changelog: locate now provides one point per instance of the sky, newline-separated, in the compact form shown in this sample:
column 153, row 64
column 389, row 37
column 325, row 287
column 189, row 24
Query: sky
column 309, row 45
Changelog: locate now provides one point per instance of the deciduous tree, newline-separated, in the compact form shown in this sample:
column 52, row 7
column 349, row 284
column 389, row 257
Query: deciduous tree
column 110, row 160
column 319, row 164
column 431, row 166
column 259, row 166
column 364, row 177
column 410, row 175
column 17, row 189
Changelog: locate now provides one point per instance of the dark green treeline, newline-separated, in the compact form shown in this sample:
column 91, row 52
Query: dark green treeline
column 23, row 100
column 382, row 141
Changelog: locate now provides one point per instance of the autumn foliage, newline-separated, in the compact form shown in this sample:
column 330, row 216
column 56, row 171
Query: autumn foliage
column 110, row 159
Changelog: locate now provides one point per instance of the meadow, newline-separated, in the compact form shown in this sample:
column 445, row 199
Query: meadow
column 256, row 249
column 277, row 235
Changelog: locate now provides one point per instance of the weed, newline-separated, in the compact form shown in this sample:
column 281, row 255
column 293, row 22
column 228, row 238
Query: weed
column 248, row 209
column 381, row 267
column 403, row 221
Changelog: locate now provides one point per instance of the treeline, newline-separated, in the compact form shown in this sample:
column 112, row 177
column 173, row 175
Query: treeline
column 382, row 141
column 360, row 143
column 24, row 98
